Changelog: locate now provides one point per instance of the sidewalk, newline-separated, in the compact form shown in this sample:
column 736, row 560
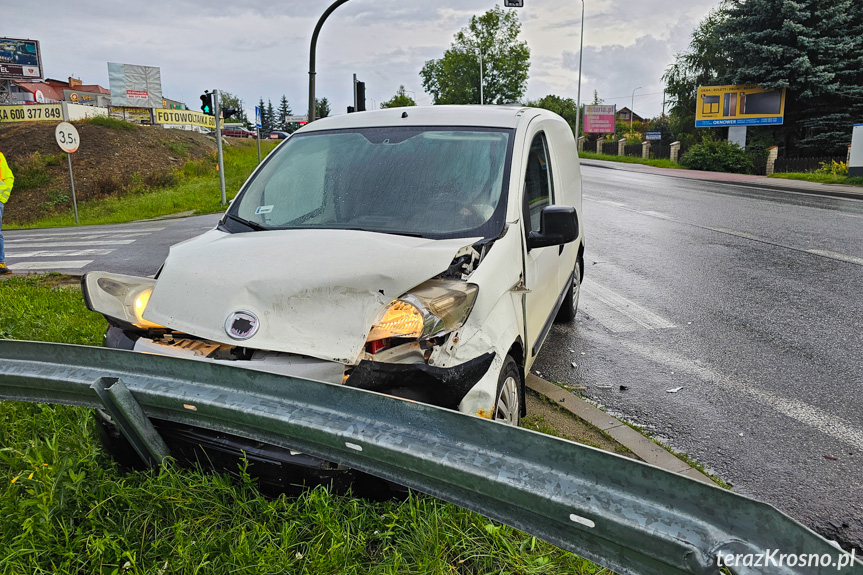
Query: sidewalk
column 763, row 182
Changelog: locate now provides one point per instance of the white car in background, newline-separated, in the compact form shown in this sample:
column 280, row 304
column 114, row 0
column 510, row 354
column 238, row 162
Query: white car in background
column 419, row 252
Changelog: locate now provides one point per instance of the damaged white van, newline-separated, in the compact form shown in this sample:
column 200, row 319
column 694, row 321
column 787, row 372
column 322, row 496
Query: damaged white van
column 417, row 252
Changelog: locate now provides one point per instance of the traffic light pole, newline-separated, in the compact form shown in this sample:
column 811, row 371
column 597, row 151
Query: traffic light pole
column 312, row 102
column 216, row 112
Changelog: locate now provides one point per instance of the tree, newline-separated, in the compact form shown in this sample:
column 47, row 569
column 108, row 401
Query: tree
column 228, row 100
column 812, row 49
column 284, row 111
column 563, row 107
column 493, row 38
column 268, row 118
column 322, row 108
column 400, row 100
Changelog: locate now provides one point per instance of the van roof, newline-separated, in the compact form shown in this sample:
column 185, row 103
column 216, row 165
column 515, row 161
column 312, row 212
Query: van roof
column 507, row 116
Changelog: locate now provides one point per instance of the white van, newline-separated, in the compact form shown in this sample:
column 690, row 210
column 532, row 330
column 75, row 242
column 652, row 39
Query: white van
column 418, row 252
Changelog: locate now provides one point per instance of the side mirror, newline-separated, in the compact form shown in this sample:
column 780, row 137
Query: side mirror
column 558, row 225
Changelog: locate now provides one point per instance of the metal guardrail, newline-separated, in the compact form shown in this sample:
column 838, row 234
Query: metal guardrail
column 620, row 513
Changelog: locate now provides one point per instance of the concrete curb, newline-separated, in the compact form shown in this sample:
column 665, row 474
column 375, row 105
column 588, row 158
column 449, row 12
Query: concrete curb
column 634, row 441
column 762, row 182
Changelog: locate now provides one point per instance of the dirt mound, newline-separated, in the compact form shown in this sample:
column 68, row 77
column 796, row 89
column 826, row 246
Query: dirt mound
column 111, row 161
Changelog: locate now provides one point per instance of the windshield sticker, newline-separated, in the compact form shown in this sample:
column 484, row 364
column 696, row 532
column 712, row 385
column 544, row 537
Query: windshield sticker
column 264, row 210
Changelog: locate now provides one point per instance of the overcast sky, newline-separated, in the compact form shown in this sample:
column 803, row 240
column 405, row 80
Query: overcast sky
column 263, row 51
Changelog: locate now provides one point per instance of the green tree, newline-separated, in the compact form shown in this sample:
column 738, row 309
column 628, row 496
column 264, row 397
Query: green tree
column 400, row 100
column 322, row 108
column 269, row 118
column 563, row 107
column 228, row 100
column 284, row 111
column 493, row 38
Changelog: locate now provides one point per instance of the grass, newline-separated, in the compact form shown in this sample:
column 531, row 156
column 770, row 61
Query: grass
column 66, row 508
column 820, row 178
column 112, row 123
column 196, row 190
column 630, row 160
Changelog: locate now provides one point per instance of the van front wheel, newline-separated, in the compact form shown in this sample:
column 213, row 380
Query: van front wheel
column 507, row 407
column 570, row 301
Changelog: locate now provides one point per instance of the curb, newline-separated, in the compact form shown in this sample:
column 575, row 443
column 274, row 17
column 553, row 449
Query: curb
column 776, row 184
column 641, row 446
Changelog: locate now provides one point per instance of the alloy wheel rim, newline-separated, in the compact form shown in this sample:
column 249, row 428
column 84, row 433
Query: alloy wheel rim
column 507, row 402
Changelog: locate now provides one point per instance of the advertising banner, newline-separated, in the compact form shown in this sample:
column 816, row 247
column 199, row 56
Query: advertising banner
column 31, row 113
column 135, row 115
column 185, row 117
column 745, row 105
column 135, row 86
column 599, row 119
column 20, row 59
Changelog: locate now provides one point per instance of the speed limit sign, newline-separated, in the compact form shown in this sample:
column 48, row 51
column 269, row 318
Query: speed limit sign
column 67, row 137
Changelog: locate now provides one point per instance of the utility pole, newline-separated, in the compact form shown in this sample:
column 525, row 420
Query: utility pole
column 217, row 110
column 580, row 54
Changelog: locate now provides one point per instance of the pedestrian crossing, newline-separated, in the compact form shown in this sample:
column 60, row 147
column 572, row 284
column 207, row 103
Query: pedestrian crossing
column 63, row 250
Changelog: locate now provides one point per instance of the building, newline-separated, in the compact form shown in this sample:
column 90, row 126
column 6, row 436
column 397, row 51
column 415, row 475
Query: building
column 625, row 115
column 55, row 91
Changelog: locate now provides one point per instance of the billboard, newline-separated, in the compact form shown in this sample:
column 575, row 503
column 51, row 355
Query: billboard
column 31, row 113
column 185, row 118
column 20, row 59
column 599, row 119
column 745, row 105
column 135, row 86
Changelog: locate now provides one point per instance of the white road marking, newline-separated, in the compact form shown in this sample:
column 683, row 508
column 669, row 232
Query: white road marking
column 74, row 243
column 74, row 238
column 62, row 265
column 617, row 313
column 827, row 423
column 741, row 235
column 41, row 234
column 60, row 253
column 837, row 256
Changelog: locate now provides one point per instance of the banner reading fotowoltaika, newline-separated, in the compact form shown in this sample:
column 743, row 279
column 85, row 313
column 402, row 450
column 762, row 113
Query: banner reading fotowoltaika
column 185, row 117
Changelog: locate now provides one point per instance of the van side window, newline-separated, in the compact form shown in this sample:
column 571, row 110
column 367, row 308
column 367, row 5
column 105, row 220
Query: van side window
column 538, row 184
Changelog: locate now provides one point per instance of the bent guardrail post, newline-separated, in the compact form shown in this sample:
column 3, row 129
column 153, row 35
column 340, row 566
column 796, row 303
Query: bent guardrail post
column 626, row 515
column 130, row 418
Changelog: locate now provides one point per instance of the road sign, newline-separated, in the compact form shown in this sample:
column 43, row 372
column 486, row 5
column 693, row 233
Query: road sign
column 301, row 119
column 513, row 3
column 258, row 123
column 653, row 135
column 67, row 137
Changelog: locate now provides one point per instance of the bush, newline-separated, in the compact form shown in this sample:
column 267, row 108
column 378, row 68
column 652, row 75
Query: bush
column 717, row 156
column 834, row 168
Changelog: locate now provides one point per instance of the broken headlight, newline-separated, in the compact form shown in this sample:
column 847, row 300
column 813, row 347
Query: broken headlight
column 431, row 309
column 118, row 297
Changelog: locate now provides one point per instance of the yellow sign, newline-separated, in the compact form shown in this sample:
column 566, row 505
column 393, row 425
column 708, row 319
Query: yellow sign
column 34, row 113
column 746, row 105
column 185, row 117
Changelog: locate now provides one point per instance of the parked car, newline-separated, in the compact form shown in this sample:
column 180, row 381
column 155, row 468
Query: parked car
column 422, row 254
column 238, row 132
column 278, row 135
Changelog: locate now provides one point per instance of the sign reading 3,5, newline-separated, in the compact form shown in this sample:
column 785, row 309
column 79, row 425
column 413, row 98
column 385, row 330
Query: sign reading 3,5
column 34, row 113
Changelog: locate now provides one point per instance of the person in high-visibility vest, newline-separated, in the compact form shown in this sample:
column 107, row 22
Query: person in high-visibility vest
column 6, row 181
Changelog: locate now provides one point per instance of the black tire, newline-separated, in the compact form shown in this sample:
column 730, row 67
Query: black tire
column 569, row 307
column 510, row 391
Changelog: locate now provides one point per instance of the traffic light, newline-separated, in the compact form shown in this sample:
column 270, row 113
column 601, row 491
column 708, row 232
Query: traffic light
column 228, row 112
column 361, row 96
column 207, row 103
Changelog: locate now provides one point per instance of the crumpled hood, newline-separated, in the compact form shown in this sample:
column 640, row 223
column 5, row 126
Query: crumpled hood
column 315, row 292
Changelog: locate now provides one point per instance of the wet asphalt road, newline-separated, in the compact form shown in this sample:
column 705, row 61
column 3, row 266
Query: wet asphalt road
column 751, row 303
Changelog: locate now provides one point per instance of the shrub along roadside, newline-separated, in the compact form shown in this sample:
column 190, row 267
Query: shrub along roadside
column 717, row 156
column 66, row 508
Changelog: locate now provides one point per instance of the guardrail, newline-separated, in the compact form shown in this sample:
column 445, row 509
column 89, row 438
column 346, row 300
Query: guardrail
column 620, row 513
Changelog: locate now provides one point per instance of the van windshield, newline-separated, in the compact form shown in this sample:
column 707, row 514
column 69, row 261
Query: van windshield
column 435, row 182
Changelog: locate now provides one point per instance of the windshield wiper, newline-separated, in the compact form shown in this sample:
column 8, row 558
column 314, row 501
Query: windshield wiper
column 252, row 225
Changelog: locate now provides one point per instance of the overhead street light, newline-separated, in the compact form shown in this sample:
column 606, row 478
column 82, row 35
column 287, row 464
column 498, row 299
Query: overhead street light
column 580, row 54
column 631, row 106
column 326, row 14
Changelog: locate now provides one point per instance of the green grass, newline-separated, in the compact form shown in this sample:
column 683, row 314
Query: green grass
column 821, row 178
column 197, row 191
column 630, row 160
column 112, row 123
column 66, row 508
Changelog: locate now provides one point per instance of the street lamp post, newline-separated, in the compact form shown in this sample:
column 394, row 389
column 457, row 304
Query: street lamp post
column 580, row 54
column 326, row 14
column 481, row 99
column 631, row 106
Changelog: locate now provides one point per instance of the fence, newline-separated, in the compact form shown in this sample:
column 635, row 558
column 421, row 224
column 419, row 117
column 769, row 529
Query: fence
column 609, row 148
column 785, row 165
column 633, row 150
